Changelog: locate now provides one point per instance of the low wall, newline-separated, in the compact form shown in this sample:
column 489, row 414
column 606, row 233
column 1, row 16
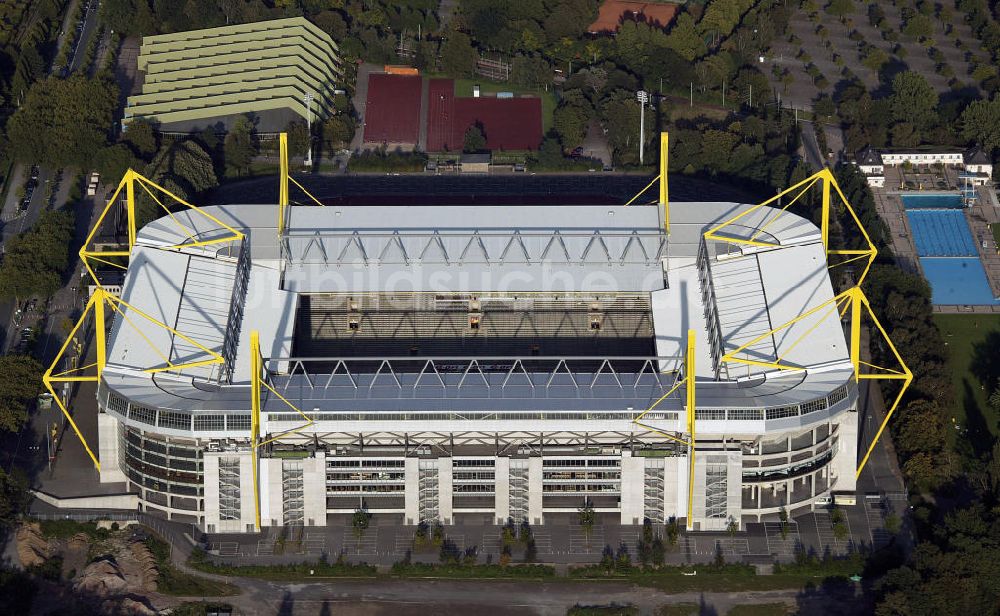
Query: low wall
column 102, row 501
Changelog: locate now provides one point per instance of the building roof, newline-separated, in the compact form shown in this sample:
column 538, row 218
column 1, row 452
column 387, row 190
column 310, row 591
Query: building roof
column 869, row 157
column 200, row 75
column 506, row 249
column 613, row 12
column 976, row 156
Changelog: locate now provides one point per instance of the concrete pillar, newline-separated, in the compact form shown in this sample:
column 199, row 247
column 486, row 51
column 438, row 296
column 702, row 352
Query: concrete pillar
column 314, row 484
column 535, row 514
column 210, row 466
column 271, row 493
column 845, row 458
column 445, row 490
column 633, row 479
column 108, row 449
column 411, row 492
column 501, row 479
column 248, row 506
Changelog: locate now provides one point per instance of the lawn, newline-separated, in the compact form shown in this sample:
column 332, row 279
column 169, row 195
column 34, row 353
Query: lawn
column 463, row 87
column 962, row 333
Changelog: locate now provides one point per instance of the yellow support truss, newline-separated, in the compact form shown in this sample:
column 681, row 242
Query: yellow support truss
column 99, row 302
column 664, row 196
column 129, row 183
column 258, row 385
column 829, row 184
column 853, row 305
column 688, row 380
column 283, row 188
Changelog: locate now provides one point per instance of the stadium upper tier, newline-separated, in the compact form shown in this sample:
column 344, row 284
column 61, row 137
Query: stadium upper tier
column 557, row 310
column 247, row 68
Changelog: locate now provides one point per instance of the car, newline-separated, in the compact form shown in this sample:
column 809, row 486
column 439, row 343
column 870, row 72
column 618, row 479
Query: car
column 577, row 152
column 34, row 172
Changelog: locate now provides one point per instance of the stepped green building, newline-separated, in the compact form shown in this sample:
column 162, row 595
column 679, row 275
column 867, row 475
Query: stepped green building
column 200, row 78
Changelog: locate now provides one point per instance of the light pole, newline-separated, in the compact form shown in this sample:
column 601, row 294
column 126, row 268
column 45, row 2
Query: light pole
column 308, row 98
column 643, row 98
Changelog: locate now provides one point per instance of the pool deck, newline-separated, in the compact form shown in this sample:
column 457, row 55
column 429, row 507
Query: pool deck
column 985, row 212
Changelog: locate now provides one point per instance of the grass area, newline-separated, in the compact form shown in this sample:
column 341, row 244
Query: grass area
column 473, row 571
column 64, row 529
column 963, row 333
column 296, row 572
column 995, row 228
column 175, row 582
column 761, row 609
column 603, row 610
column 680, row 609
column 463, row 87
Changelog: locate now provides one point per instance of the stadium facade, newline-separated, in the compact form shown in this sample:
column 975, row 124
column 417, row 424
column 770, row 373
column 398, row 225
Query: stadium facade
column 465, row 363
column 200, row 78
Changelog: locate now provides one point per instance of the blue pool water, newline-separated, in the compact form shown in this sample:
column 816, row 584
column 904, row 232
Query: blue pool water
column 947, row 250
column 941, row 233
column 957, row 281
column 952, row 201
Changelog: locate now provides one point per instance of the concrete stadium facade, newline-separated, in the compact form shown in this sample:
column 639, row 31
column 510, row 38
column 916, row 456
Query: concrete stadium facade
column 203, row 75
column 478, row 363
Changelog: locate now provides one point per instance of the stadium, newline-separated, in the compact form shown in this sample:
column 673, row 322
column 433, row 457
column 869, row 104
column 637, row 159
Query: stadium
column 269, row 365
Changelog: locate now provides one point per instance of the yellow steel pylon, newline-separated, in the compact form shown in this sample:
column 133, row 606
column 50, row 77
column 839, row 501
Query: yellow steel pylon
column 258, row 383
column 853, row 305
column 688, row 379
column 828, row 183
column 100, row 301
column 128, row 183
column 283, row 180
column 664, row 196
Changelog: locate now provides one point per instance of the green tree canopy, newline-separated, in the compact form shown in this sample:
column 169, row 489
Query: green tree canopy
column 458, row 56
column 63, row 121
column 240, row 145
column 913, row 100
column 21, row 384
column 142, row 137
column 570, row 123
column 35, row 261
column 981, row 124
column 474, row 139
column 184, row 168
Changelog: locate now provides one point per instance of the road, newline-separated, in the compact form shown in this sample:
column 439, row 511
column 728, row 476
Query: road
column 27, row 447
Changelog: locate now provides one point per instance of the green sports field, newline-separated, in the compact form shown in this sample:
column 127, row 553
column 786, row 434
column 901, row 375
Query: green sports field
column 964, row 333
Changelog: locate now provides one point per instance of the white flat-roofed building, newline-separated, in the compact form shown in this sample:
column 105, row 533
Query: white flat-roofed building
column 479, row 363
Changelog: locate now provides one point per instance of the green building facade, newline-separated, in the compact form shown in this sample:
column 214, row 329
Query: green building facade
column 203, row 77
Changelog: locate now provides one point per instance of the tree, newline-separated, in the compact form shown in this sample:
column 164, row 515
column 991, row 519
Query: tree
column 893, row 524
column 531, row 71
column 140, row 134
column 360, row 521
column 184, row 168
column 913, row 100
column 338, row 131
column 919, row 27
column 981, row 124
column 732, row 527
column 475, row 141
column 458, row 56
column 63, row 121
column 298, row 138
column 684, row 38
column 587, row 517
column 840, row 8
column 570, row 123
column 875, row 59
column 35, row 261
column 839, row 526
column 783, row 518
column 21, row 384
column 240, row 145
column 657, row 551
column 113, row 161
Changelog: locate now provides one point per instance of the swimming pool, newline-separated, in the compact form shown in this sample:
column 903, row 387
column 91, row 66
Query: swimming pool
column 947, row 250
column 941, row 233
column 957, row 281
column 947, row 201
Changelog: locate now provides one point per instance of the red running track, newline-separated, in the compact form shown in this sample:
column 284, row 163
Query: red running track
column 392, row 111
column 507, row 123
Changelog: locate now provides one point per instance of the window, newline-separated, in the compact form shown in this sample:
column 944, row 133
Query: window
column 238, row 422
column 813, row 405
column 209, row 422
column 177, row 421
column 838, row 394
column 782, row 411
column 710, row 414
column 746, row 414
column 142, row 414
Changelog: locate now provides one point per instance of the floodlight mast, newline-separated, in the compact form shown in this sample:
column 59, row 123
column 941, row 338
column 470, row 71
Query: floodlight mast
column 308, row 98
column 643, row 98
